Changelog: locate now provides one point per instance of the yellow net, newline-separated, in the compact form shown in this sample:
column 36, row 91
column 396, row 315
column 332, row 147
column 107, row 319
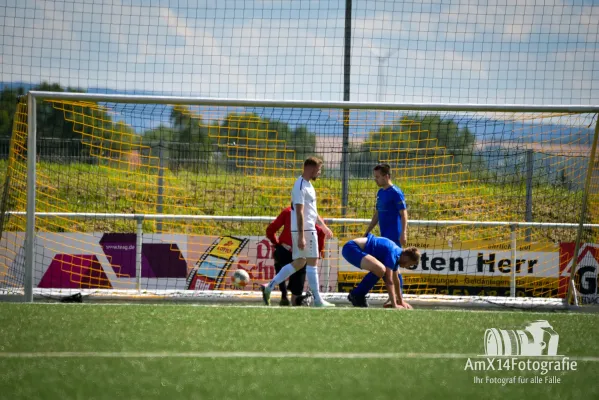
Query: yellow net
column 231, row 161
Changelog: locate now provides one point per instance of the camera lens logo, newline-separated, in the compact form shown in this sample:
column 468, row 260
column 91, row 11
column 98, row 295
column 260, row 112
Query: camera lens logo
column 537, row 339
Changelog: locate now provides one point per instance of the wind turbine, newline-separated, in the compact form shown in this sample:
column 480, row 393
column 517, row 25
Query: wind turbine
column 381, row 77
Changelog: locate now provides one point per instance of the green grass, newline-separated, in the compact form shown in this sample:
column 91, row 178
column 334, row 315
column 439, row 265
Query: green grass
column 185, row 328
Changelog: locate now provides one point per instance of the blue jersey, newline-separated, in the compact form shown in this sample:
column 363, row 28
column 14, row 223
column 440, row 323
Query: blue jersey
column 389, row 202
column 383, row 250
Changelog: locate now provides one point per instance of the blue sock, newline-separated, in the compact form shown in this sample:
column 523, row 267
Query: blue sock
column 366, row 284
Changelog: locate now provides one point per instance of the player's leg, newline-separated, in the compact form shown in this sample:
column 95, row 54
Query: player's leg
column 278, row 267
column 282, row 257
column 296, row 286
column 312, row 252
column 376, row 271
column 299, row 261
column 353, row 252
column 312, row 275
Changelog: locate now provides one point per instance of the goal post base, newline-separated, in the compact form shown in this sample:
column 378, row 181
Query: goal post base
column 255, row 298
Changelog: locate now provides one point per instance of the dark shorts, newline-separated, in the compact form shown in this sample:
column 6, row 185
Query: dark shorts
column 296, row 283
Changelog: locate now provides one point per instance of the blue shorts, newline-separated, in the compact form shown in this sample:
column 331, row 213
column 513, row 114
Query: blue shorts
column 353, row 253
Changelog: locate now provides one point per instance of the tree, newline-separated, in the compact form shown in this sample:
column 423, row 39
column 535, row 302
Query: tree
column 63, row 127
column 256, row 142
column 423, row 144
column 188, row 141
column 8, row 108
column 159, row 142
column 189, row 127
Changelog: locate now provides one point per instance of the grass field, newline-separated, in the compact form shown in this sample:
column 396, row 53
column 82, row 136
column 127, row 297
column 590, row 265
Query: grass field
column 220, row 352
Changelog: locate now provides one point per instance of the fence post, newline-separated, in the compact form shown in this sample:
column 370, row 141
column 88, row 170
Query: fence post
column 513, row 244
column 138, row 243
column 346, row 97
column 160, row 200
column 326, row 267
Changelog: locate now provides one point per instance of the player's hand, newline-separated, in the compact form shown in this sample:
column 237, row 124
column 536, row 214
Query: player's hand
column 406, row 306
column 389, row 304
column 327, row 232
column 403, row 239
column 301, row 243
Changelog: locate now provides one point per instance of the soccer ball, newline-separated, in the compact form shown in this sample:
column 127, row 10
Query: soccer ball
column 240, row 278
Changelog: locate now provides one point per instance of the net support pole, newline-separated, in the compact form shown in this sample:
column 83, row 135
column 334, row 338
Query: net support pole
column 583, row 209
column 513, row 245
column 529, row 176
column 346, row 97
column 160, row 197
column 138, row 244
column 31, row 178
column 326, row 267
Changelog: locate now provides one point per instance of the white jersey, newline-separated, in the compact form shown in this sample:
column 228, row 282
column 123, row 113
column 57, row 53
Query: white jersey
column 303, row 193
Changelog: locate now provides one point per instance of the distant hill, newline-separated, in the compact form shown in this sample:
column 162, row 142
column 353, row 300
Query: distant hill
column 329, row 122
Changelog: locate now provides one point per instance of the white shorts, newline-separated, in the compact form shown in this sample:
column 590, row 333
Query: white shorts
column 311, row 249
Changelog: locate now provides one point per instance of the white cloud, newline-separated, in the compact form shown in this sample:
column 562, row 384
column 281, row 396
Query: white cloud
column 465, row 51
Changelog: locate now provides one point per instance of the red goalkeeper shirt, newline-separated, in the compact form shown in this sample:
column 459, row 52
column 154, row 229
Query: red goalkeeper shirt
column 284, row 220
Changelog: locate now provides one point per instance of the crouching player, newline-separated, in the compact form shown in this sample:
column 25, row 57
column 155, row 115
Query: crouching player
column 382, row 257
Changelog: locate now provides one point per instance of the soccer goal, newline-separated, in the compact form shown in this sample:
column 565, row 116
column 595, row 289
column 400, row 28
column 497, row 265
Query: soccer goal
column 138, row 197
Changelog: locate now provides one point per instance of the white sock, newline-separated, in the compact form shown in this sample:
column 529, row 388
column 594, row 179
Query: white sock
column 283, row 274
column 312, row 275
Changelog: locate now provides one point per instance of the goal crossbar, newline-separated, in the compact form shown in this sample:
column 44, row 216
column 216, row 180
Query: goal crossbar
column 199, row 101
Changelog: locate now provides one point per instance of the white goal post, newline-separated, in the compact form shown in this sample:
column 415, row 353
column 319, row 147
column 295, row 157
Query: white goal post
column 445, row 168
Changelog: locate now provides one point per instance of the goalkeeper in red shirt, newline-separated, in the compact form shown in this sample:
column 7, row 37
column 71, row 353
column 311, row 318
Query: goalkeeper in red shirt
column 282, row 256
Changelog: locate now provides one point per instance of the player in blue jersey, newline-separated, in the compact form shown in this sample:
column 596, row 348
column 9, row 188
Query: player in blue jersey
column 391, row 214
column 382, row 258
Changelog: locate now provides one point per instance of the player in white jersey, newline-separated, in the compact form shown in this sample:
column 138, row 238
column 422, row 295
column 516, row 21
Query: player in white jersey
column 304, row 217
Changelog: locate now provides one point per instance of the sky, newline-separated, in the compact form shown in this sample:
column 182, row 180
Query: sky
column 417, row 51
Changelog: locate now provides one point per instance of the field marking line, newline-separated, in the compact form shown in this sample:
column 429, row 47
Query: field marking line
column 279, row 355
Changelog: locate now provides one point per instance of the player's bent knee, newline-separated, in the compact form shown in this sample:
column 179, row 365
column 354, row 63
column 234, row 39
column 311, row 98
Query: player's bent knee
column 299, row 263
column 369, row 263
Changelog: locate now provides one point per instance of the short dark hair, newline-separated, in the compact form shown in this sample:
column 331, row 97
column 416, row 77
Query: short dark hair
column 413, row 253
column 313, row 161
column 384, row 168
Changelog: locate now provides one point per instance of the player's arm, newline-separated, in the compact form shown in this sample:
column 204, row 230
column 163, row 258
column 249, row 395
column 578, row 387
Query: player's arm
column 328, row 233
column 404, row 227
column 400, row 301
column 274, row 227
column 297, row 205
column 402, row 209
column 390, row 285
column 299, row 212
column 321, row 239
column 373, row 222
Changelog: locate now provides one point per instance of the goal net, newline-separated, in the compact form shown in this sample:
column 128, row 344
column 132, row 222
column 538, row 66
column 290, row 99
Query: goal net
column 168, row 200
